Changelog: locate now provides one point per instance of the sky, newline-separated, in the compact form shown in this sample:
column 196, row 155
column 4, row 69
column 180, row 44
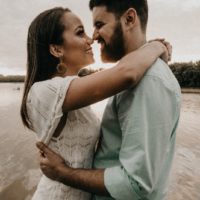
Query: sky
column 177, row 20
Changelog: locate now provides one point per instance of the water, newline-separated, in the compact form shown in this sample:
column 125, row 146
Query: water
column 185, row 179
column 19, row 172
column 19, row 168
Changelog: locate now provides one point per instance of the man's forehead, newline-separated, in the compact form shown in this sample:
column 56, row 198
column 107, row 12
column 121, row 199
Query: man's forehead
column 100, row 13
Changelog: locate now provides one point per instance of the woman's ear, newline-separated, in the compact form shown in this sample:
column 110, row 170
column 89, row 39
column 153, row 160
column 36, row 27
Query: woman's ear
column 56, row 50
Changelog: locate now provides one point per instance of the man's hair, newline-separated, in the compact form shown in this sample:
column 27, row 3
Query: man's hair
column 118, row 7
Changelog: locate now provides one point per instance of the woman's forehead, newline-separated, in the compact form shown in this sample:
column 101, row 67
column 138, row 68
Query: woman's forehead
column 71, row 21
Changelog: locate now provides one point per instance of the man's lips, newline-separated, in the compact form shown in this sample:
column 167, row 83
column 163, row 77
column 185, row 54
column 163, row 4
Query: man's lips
column 102, row 43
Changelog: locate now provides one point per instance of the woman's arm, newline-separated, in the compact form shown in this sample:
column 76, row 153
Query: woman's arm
column 98, row 86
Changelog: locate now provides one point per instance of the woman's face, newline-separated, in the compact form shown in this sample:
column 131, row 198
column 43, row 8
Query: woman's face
column 77, row 50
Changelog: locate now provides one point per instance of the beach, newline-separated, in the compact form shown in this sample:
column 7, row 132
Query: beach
column 19, row 170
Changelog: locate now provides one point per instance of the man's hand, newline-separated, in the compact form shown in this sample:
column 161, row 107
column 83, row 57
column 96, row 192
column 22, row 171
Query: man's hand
column 50, row 162
column 54, row 167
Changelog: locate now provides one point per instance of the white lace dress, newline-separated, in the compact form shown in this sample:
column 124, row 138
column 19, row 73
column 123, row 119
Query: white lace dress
column 75, row 143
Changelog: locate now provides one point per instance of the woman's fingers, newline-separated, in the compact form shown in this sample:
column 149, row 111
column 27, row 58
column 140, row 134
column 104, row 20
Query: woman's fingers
column 157, row 39
column 167, row 45
column 169, row 49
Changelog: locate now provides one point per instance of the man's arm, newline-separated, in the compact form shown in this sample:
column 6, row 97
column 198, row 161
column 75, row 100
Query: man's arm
column 54, row 167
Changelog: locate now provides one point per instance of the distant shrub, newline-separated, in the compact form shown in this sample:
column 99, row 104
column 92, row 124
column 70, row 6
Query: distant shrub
column 12, row 78
column 187, row 74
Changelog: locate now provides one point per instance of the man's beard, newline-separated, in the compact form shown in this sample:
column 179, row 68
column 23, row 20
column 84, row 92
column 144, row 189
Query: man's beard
column 115, row 50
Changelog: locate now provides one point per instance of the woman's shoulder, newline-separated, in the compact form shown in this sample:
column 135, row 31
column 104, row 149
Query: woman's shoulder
column 51, row 84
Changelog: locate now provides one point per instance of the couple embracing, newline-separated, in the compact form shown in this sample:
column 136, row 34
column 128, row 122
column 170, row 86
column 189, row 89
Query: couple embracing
column 136, row 136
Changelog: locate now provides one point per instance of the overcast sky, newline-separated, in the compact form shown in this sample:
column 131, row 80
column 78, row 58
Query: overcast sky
column 176, row 20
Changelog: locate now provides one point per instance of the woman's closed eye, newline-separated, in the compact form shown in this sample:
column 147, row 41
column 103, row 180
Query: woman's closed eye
column 80, row 32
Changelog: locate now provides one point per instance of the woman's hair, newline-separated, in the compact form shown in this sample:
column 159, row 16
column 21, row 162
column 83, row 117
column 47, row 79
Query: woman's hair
column 47, row 28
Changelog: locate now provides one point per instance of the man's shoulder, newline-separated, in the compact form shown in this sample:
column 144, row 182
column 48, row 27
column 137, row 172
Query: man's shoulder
column 159, row 69
column 158, row 77
column 161, row 72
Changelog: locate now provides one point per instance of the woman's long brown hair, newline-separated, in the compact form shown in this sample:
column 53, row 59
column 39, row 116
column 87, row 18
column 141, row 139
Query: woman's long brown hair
column 47, row 28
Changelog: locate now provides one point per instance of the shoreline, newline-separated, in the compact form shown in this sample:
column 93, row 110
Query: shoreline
column 191, row 90
column 183, row 90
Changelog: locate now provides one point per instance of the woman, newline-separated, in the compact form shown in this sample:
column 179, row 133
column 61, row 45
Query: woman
column 57, row 49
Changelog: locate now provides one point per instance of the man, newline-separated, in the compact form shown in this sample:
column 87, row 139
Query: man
column 134, row 156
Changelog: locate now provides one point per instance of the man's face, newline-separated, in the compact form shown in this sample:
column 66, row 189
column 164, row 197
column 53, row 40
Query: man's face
column 108, row 32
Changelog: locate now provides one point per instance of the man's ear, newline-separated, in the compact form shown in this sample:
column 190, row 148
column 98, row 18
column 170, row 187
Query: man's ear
column 130, row 17
column 56, row 50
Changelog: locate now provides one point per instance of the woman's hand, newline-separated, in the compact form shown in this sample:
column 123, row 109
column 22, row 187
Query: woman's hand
column 167, row 55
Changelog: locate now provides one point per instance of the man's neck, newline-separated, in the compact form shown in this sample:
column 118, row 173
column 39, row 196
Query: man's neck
column 134, row 41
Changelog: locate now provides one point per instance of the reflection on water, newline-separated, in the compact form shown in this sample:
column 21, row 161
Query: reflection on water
column 9, row 93
column 19, row 171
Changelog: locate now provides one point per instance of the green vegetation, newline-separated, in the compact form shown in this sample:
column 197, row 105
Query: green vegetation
column 11, row 78
column 187, row 74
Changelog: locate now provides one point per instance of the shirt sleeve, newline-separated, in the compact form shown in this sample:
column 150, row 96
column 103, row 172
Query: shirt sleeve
column 44, row 105
column 147, row 117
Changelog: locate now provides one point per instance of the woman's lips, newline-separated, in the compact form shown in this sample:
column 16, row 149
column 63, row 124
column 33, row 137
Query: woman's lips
column 89, row 51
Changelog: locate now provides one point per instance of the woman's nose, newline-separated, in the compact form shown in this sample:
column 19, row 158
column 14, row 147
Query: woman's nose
column 90, row 40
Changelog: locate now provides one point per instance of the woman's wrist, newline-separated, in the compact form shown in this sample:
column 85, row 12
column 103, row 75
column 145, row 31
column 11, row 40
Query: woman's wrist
column 159, row 47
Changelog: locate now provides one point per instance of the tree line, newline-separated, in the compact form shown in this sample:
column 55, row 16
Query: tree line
column 12, row 78
column 187, row 74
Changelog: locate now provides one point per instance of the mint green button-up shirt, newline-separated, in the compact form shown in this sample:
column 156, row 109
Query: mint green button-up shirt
column 138, row 137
